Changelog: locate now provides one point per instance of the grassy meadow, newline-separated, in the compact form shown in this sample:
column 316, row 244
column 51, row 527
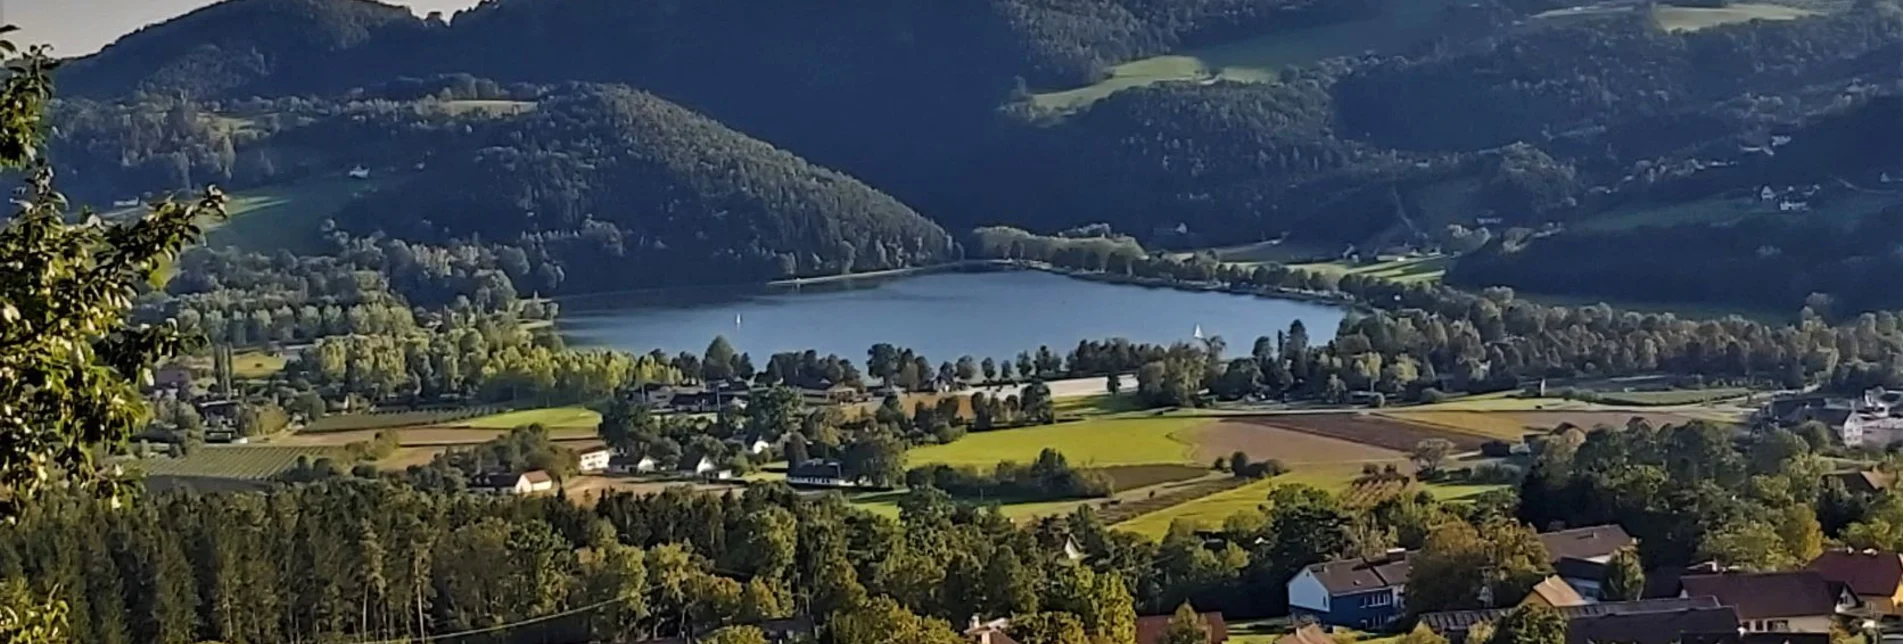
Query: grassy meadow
column 1256, row 60
column 550, row 417
column 1089, row 443
column 286, row 216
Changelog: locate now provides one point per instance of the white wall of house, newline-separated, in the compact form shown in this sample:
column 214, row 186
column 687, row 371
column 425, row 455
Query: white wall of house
column 595, row 460
column 1306, row 591
column 1806, row 624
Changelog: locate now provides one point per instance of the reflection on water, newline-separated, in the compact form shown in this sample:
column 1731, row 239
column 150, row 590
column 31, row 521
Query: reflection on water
column 944, row 315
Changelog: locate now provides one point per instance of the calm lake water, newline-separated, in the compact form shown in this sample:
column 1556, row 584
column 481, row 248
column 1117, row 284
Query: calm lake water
column 944, row 315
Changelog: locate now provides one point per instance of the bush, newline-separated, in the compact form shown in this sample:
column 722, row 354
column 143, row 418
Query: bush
column 1495, row 474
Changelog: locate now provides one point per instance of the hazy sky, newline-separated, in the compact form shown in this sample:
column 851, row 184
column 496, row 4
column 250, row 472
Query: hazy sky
column 78, row 27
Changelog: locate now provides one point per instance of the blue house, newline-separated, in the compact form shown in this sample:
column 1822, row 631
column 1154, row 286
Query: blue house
column 1356, row 593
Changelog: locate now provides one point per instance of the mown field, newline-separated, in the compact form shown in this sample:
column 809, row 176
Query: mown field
column 550, row 417
column 1407, row 271
column 1088, row 443
column 244, row 462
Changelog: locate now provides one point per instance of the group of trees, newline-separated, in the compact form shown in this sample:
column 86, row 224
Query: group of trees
column 1766, row 263
column 1049, row 478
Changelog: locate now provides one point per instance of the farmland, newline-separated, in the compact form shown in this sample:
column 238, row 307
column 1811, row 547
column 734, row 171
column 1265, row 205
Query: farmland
column 551, row 417
column 244, row 462
column 1089, row 443
column 1368, row 429
column 1293, row 448
column 1512, row 426
column 383, row 420
column 1131, row 477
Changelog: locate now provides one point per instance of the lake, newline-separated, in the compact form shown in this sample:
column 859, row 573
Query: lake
column 941, row 315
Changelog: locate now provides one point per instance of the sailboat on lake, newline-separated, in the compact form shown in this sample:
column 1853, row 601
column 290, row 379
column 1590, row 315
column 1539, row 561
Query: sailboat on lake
column 1199, row 332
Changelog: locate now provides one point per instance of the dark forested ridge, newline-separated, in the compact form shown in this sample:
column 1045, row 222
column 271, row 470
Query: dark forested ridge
column 613, row 177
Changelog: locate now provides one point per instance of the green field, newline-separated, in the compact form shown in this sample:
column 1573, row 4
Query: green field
column 256, row 365
column 1090, row 443
column 550, row 417
column 1208, row 511
column 1256, row 60
column 249, row 462
column 286, row 216
column 1407, row 271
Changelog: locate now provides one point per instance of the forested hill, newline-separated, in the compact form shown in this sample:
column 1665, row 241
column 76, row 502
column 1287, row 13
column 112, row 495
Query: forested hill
column 613, row 177
column 250, row 48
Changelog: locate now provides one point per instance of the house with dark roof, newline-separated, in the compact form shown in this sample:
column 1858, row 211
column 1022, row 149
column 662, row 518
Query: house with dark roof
column 1579, row 555
column 528, row 482
column 1774, row 602
column 1650, row 621
column 1150, row 629
column 1359, row 593
column 1875, row 577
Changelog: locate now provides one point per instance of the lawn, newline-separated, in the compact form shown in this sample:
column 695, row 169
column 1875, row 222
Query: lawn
column 1089, row 443
column 551, row 417
column 249, row 462
column 285, row 216
column 256, row 365
column 1099, row 404
column 1255, row 60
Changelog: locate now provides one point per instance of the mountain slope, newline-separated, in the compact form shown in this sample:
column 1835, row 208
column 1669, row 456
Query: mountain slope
column 612, row 177
column 241, row 48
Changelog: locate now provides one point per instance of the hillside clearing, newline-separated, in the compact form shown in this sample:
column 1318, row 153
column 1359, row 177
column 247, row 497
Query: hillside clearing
column 257, row 365
column 1408, row 270
column 1679, row 19
column 1398, row 26
column 286, row 216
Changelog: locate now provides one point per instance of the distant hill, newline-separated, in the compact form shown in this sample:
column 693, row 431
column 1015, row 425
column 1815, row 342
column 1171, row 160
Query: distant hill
column 244, row 48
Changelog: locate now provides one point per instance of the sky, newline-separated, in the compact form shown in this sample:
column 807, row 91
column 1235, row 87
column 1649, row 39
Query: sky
column 80, row 27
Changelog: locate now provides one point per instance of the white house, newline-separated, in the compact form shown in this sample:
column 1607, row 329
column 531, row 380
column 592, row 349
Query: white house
column 1359, row 593
column 705, row 465
column 595, row 459
column 631, row 464
column 528, row 482
column 359, row 172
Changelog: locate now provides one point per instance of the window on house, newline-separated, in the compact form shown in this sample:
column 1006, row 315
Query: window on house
column 1778, row 625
